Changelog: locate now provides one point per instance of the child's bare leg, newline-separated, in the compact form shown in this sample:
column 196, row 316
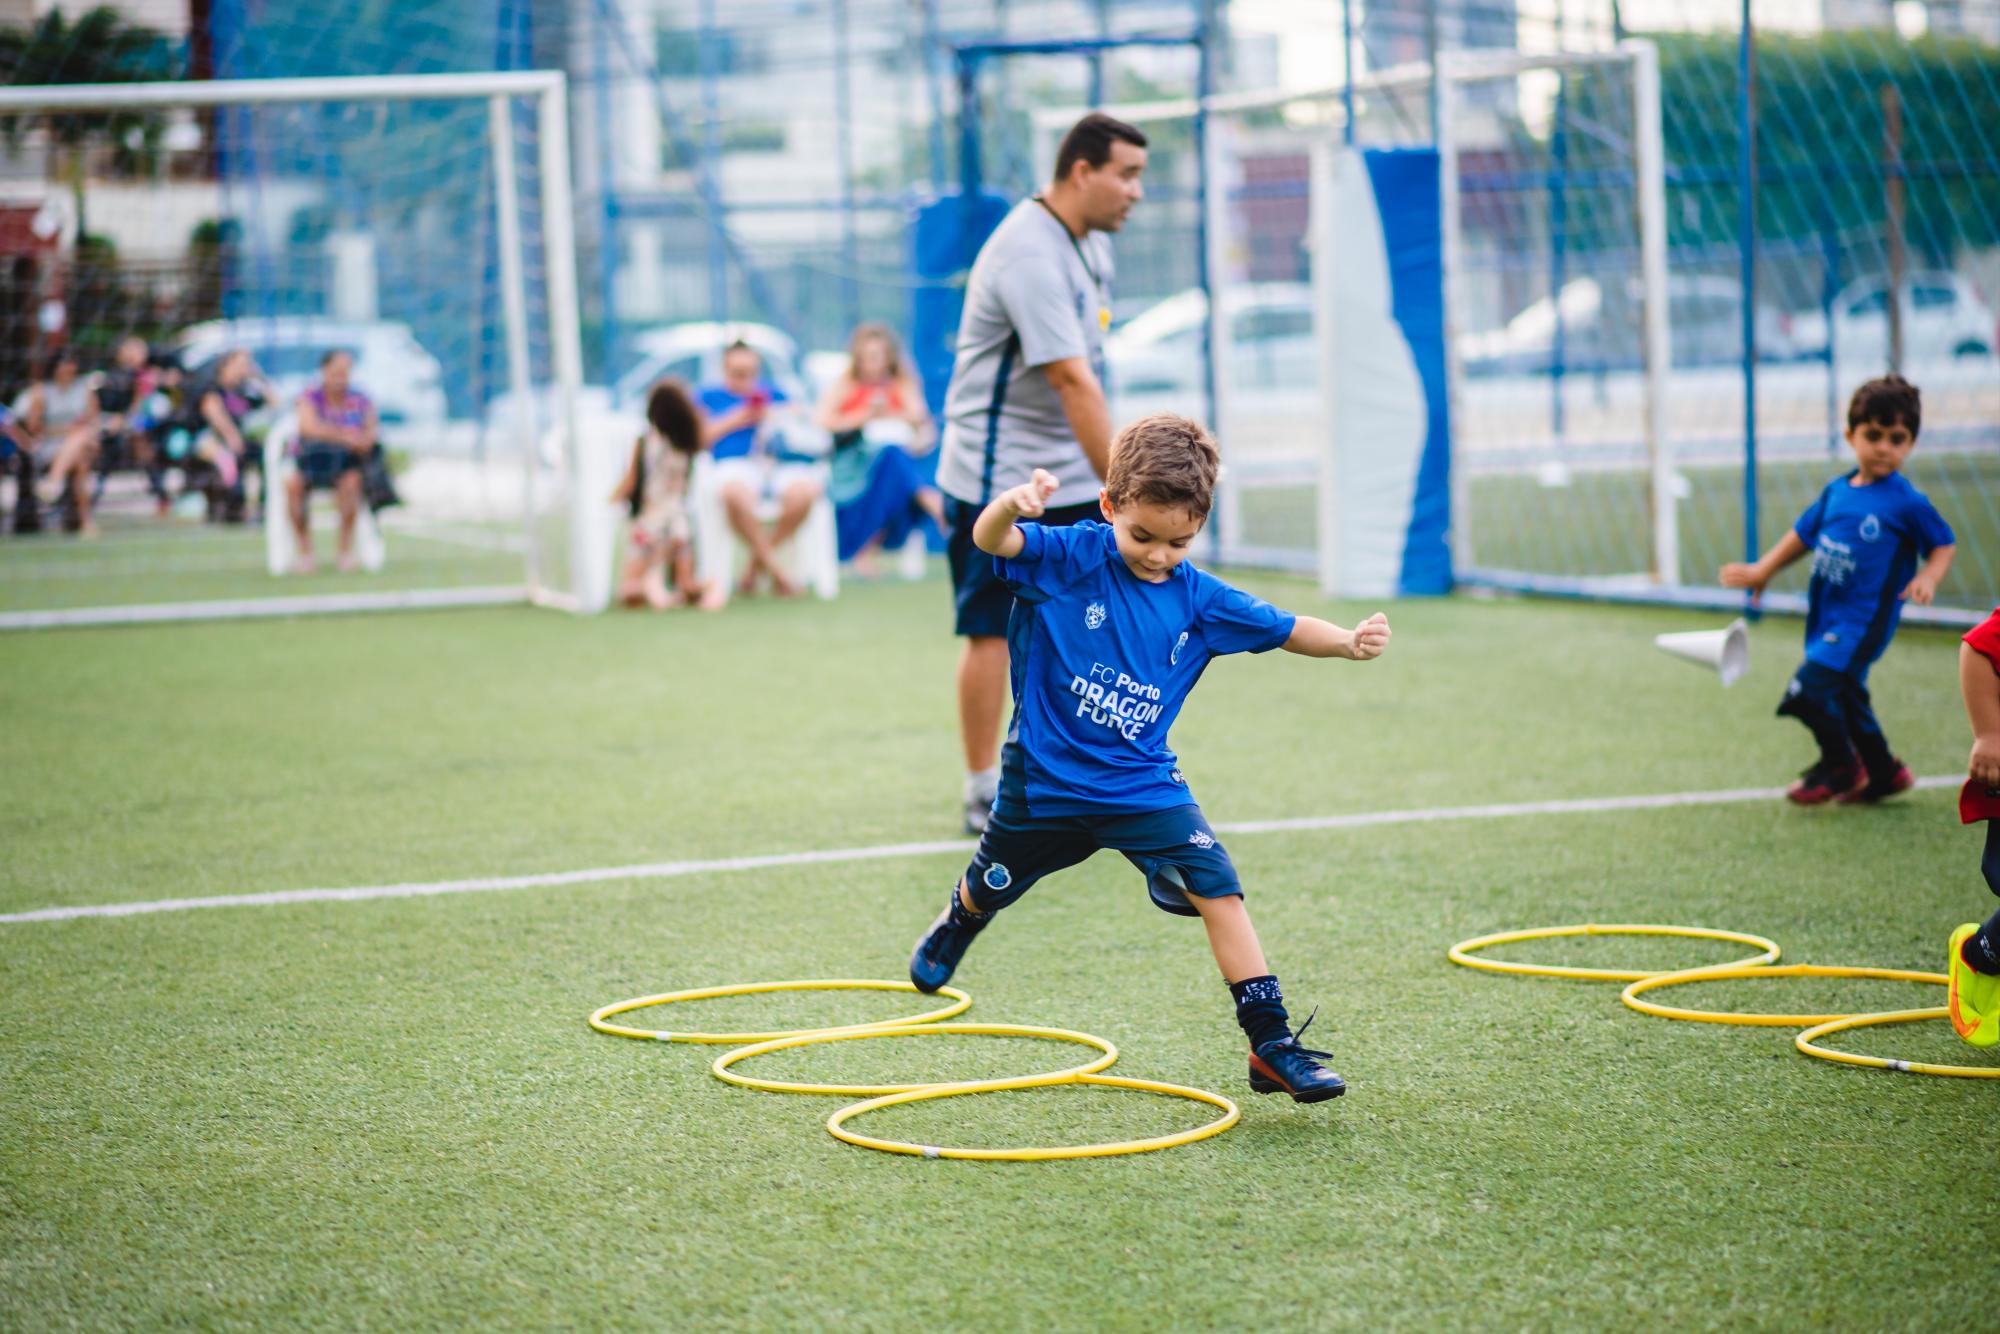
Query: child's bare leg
column 1231, row 938
column 1278, row 1064
column 688, row 586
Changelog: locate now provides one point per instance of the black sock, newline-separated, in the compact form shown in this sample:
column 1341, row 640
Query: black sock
column 1260, row 1009
column 1981, row 950
column 960, row 916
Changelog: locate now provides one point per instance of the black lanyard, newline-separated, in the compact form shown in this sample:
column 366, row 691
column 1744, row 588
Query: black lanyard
column 1075, row 245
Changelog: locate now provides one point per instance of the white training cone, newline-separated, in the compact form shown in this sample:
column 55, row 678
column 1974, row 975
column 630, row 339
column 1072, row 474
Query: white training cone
column 1725, row 652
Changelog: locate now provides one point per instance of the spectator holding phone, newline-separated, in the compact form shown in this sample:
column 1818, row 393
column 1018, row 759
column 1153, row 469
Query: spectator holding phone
column 752, row 467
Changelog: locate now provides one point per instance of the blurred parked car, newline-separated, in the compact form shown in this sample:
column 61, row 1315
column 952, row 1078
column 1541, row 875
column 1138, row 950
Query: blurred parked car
column 690, row 352
column 1601, row 327
column 404, row 381
column 1271, row 345
column 1943, row 316
column 693, row 353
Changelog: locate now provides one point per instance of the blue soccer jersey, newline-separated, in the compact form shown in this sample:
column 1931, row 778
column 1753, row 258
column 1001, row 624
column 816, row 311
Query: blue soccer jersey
column 1865, row 542
column 1101, row 661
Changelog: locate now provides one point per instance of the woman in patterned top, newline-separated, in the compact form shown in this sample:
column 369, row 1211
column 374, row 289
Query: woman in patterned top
column 337, row 431
column 879, row 422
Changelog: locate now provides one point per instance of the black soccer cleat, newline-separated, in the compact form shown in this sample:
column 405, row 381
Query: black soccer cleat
column 937, row 954
column 1282, row 1065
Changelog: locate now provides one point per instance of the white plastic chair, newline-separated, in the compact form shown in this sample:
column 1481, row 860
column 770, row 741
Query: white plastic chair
column 811, row 558
column 281, row 545
column 913, row 557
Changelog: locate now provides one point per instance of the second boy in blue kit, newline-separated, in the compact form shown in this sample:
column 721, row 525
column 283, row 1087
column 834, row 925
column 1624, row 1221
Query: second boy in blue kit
column 1866, row 533
column 1110, row 632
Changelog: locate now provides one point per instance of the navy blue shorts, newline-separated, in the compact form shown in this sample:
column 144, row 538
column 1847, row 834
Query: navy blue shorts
column 322, row 464
column 984, row 602
column 1174, row 849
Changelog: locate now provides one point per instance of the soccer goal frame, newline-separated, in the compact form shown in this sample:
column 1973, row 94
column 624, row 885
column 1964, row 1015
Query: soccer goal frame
column 1454, row 72
column 586, row 588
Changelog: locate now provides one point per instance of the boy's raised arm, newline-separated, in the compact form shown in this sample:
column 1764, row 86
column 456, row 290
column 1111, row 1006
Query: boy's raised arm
column 994, row 531
column 1739, row 574
column 1923, row 588
column 1314, row 638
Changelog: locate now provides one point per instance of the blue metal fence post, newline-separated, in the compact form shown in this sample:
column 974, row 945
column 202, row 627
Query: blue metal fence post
column 711, row 155
column 1829, row 288
column 933, row 53
column 1558, row 253
column 607, row 200
column 1746, row 121
column 1103, row 8
column 843, row 133
column 1204, row 83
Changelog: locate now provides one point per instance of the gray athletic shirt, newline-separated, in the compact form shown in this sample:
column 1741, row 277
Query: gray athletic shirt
column 1031, row 300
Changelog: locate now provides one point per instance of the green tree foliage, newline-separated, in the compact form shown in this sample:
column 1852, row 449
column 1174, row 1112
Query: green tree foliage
column 1820, row 140
column 100, row 47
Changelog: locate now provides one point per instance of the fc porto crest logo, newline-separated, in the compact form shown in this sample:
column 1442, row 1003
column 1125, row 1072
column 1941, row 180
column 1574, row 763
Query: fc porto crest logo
column 1093, row 615
column 1871, row 529
column 1174, row 658
column 998, row 876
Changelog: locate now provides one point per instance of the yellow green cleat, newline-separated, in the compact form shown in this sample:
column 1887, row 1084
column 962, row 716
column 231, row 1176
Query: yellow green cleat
column 1974, row 1003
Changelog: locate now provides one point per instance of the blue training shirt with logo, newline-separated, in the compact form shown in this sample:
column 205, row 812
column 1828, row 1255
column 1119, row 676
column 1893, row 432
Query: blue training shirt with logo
column 1865, row 543
column 1101, row 663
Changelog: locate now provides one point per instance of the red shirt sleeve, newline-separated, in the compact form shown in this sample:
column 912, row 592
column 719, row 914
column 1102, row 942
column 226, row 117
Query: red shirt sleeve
column 1985, row 638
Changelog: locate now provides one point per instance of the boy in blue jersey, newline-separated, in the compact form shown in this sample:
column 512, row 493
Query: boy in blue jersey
column 1110, row 631
column 1866, row 532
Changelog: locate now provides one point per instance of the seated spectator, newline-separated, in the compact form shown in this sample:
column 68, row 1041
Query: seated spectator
column 749, row 468
column 123, row 394
column 17, row 456
column 59, row 414
column 655, row 490
column 879, row 422
column 215, row 411
column 337, row 432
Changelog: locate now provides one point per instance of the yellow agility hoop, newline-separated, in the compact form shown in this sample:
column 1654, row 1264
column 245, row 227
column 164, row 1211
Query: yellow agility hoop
column 1462, row 953
column 1109, row 1150
column 598, row 1020
column 722, row 1071
column 1806, row 1040
column 1723, row 974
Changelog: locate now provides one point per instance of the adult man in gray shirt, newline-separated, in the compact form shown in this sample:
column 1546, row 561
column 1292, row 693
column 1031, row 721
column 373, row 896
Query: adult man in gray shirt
column 1027, row 392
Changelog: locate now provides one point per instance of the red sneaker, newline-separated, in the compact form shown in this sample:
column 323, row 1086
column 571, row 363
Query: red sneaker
column 1881, row 789
column 1977, row 802
column 1817, row 786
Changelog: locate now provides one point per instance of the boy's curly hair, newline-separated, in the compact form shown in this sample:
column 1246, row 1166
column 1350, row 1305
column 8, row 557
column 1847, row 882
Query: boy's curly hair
column 1164, row 459
column 1889, row 400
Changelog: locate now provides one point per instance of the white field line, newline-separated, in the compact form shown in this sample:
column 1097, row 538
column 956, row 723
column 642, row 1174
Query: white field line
column 885, row 851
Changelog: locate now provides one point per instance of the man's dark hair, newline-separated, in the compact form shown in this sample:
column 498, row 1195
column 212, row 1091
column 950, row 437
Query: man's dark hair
column 1888, row 401
column 1089, row 141
column 740, row 346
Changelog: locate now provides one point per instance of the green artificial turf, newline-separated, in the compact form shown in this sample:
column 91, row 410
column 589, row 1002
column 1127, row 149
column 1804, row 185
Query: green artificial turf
column 1598, row 522
column 390, row 1113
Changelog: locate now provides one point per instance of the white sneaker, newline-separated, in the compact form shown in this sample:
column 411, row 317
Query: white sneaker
column 976, row 812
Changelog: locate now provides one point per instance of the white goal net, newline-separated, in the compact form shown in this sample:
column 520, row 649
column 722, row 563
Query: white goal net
column 223, row 297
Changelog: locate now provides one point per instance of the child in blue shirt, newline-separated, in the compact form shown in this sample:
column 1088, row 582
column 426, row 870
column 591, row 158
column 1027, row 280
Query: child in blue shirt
column 1110, row 631
column 1866, row 533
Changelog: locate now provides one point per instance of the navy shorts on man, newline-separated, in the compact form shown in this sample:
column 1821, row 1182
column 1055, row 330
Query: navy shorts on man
column 982, row 598
column 1174, row 849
